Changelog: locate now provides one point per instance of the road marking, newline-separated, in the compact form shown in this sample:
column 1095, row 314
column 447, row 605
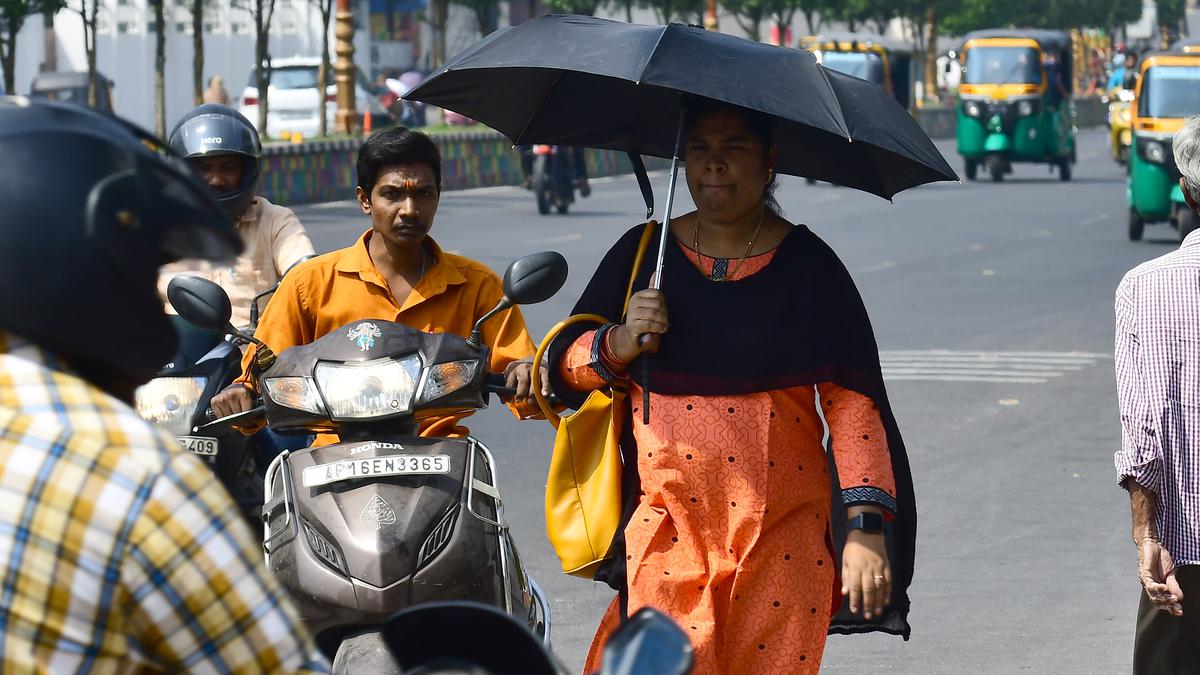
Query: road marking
column 1092, row 220
column 559, row 239
column 885, row 265
column 980, row 366
column 988, row 273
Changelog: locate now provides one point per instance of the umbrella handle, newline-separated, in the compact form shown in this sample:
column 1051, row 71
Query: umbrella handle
column 656, row 280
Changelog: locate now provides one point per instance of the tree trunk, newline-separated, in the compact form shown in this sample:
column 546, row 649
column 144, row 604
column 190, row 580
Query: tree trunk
column 931, row 54
column 629, row 12
column 49, row 42
column 197, row 52
column 438, row 9
column 8, row 57
column 160, row 65
column 261, row 76
column 326, row 67
column 89, row 46
column 808, row 21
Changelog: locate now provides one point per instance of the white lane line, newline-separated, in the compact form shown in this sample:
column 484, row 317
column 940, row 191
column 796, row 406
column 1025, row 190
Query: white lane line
column 997, row 367
column 885, row 265
column 560, row 239
column 1091, row 220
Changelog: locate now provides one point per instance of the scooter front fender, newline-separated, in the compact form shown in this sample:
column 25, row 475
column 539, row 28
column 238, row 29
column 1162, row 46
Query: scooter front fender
column 997, row 143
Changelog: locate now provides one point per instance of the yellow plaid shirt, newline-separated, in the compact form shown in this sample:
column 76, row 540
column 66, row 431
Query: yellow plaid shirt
column 119, row 552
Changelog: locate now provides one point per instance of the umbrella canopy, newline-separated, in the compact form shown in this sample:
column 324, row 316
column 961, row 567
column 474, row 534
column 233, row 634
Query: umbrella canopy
column 579, row 80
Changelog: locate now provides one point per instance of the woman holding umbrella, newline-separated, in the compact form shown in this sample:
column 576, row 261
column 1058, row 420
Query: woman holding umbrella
column 758, row 335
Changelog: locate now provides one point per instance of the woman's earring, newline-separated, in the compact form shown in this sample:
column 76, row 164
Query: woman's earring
column 770, row 176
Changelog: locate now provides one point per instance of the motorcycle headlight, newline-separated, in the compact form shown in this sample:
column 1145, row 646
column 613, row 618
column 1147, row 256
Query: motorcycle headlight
column 1125, row 115
column 1025, row 108
column 1155, row 152
column 297, row 393
column 370, row 389
column 443, row 378
column 972, row 109
column 170, row 402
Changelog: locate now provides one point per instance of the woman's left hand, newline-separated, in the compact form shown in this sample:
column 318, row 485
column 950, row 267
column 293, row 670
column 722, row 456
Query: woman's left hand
column 866, row 574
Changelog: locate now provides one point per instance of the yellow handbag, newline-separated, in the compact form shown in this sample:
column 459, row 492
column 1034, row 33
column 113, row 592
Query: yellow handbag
column 583, row 489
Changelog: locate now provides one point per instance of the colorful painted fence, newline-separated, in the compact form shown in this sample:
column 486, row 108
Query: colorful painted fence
column 323, row 171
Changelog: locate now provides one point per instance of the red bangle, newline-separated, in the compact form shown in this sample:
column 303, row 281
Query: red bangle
column 606, row 354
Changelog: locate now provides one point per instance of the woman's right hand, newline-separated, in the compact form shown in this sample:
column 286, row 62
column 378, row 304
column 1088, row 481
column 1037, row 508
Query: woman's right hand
column 647, row 316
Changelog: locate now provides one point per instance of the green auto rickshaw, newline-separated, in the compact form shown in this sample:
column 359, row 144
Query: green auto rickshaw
column 1014, row 101
column 1166, row 94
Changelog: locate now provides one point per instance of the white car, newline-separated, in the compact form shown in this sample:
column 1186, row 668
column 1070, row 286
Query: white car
column 292, row 106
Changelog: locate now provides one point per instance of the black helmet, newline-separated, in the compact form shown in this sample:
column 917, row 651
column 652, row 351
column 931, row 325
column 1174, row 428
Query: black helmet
column 90, row 207
column 213, row 129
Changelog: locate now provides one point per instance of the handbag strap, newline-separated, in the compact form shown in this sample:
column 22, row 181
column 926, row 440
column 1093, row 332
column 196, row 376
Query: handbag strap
column 536, row 381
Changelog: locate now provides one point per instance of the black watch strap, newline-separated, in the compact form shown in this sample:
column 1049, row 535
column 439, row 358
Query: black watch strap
column 867, row 522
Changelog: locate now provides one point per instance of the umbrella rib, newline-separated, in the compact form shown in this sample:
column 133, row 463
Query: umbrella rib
column 836, row 100
column 653, row 52
column 545, row 95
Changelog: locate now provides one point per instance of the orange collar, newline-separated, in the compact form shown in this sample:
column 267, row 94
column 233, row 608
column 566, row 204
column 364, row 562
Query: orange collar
column 440, row 275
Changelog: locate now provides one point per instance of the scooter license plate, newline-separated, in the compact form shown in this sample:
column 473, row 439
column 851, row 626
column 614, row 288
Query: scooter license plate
column 201, row 445
column 388, row 465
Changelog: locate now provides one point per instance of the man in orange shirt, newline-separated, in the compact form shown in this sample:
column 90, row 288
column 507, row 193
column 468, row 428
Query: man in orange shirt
column 394, row 272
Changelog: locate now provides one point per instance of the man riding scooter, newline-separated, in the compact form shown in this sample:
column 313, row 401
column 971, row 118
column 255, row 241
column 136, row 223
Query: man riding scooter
column 223, row 148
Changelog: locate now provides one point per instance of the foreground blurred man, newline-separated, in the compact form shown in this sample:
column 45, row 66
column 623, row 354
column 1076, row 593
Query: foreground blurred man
column 224, row 150
column 1158, row 377
column 120, row 552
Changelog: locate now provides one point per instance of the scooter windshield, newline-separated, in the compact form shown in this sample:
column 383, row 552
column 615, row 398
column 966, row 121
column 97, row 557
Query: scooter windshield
column 1171, row 92
column 1003, row 65
column 864, row 65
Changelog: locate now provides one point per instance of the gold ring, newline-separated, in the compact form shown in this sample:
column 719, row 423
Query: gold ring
column 879, row 578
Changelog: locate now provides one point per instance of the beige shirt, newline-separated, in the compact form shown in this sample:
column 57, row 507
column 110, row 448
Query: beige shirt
column 274, row 240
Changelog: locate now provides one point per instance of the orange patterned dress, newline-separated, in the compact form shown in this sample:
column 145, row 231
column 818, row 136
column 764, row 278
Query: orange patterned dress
column 730, row 536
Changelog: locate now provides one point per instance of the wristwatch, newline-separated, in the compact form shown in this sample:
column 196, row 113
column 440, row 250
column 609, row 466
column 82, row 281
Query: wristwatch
column 871, row 523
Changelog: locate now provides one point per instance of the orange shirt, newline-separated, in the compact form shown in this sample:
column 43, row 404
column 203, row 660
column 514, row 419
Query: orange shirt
column 332, row 290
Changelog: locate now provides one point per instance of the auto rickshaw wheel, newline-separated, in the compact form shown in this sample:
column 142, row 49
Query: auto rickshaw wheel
column 996, row 168
column 971, row 169
column 1064, row 170
column 1187, row 222
column 1135, row 225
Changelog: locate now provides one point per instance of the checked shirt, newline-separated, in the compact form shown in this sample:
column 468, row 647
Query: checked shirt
column 1158, row 387
column 119, row 552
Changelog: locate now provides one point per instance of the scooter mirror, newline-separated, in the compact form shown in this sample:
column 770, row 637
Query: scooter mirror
column 649, row 642
column 533, row 278
column 201, row 302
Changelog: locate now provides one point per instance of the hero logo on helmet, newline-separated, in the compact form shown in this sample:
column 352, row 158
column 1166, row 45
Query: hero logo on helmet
column 212, row 140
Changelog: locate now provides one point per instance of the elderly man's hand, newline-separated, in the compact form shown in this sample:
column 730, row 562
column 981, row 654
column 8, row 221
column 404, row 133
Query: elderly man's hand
column 519, row 375
column 1156, row 570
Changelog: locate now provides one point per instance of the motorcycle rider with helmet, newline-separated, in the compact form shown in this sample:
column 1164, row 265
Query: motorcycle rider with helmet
column 224, row 150
column 123, row 554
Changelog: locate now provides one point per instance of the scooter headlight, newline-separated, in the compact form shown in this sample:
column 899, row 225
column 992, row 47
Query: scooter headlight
column 1025, row 108
column 1155, row 152
column 972, row 109
column 444, row 378
column 170, row 402
column 297, row 393
column 1125, row 115
column 370, row 389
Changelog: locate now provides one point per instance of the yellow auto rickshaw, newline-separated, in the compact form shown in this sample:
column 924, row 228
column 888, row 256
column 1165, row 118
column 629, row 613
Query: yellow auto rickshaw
column 1014, row 102
column 884, row 61
column 1120, row 123
column 1166, row 94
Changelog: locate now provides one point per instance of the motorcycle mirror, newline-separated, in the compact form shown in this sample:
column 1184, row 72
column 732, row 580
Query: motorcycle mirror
column 201, row 302
column 534, row 278
column 649, row 642
column 527, row 281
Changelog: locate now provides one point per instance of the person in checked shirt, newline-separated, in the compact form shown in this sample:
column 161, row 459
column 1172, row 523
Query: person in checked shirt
column 119, row 553
column 1158, row 384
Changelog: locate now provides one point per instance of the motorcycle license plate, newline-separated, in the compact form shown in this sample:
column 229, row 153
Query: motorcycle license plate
column 201, row 445
column 389, row 465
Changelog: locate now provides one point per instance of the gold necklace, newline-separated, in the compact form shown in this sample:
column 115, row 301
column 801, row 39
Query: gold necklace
column 731, row 272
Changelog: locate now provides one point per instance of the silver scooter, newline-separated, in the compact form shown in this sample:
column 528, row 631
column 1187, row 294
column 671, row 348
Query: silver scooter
column 385, row 519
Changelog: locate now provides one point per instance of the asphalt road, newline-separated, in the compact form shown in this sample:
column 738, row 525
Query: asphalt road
column 992, row 304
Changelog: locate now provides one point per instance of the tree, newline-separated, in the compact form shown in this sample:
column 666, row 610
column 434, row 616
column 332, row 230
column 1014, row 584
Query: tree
column 587, row 7
column 12, row 18
column 197, row 8
column 666, row 11
column 325, row 7
column 88, row 13
column 813, row 11
column 626, row 5
column 263, row 12
column 749, row 15
column 439, row 10
column 160, row 64
column 49, row 39
column 485, row 12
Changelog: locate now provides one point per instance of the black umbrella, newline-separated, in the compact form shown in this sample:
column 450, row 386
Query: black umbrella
column 579, row 80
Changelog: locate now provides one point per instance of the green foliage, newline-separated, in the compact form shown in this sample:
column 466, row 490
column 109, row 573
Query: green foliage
column 587, row 7
column 666, row 11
